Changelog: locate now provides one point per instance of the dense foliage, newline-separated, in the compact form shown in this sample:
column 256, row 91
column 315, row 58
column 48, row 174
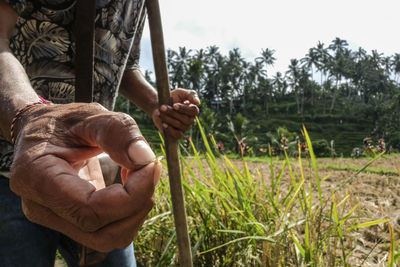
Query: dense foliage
column 340, row 94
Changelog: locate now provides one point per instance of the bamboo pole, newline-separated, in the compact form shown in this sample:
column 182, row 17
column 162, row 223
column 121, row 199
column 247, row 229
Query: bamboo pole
column 171, row 144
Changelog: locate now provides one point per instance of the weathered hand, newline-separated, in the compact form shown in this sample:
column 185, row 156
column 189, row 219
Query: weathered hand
column 56, row 173
column 176, row 120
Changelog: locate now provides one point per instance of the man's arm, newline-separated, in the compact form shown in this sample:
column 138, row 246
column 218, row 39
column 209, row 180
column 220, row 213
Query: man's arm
column 55, row 169
column 15, row 88
column 176, row 120
column 139, row 91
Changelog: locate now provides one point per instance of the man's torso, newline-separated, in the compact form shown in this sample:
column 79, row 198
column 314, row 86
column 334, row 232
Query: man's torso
column 44, row 43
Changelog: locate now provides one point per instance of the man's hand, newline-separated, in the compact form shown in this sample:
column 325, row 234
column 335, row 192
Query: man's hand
column 176, row 120
column 57, row 174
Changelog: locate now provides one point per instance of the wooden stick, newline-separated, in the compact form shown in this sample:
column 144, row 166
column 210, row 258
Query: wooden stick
column 84, row 64
column 171, row 144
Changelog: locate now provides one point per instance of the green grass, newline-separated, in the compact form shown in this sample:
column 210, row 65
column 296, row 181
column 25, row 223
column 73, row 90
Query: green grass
column 378, row 170
column 243, row 217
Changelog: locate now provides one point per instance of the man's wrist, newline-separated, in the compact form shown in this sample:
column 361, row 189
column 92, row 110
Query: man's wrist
column 20, row 119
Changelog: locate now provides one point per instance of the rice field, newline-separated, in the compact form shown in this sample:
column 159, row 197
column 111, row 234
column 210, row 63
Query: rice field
column 279, row 211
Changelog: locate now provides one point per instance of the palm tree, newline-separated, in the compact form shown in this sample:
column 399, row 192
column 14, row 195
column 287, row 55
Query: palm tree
column 337, row 71
column 196, row 70
column 232, row 77
column 254, row 73
column 214, row 62
column 377, row 58
column 310, row 60
column 304, row 84
column 338, row 68
column 294, row 77
column 324, row 60
column 387, row 65
column 359, row 57
column 280, row 84
column 322, row 55
column 338, row 46
column 178, row 65
column 396, row 66
column 267, row 57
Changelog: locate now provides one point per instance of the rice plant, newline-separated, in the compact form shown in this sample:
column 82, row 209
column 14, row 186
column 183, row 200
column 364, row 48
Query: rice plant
column 241, row 216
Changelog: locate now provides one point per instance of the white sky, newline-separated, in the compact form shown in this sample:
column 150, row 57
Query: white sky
column 290, row 27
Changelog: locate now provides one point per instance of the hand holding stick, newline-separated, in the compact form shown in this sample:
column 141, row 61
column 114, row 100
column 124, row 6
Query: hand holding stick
column 171, row 144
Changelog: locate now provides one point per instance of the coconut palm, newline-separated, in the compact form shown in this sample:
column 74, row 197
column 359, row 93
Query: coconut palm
column 196, row 70
column 338, row 66
column 338, row 46
column 178, row 66
column 309, row 61
column 214, row 62
column 267, row 57
column 293, row 75
column 280, row 83
column 396, row 66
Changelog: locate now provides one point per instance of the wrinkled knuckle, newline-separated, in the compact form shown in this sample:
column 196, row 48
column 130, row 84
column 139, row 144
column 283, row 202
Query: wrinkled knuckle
column 96, row 106
column 87, row 219
column 124, row 119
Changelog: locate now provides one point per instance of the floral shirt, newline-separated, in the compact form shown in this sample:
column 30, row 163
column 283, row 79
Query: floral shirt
column 43, row 41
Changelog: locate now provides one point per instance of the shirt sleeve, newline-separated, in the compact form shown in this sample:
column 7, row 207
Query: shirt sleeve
column 22, row 7
column 134, row 55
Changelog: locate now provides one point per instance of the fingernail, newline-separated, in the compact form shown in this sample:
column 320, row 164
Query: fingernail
column 140, row 153
column 176, row 106
column 165, row 125
column 157, row 112
column 163, row 108
column 186, row 102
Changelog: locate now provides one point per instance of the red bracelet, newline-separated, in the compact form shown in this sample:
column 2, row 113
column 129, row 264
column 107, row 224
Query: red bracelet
column 22, row 110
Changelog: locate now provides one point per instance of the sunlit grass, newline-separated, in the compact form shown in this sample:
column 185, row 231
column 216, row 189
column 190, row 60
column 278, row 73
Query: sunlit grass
column 243, row 217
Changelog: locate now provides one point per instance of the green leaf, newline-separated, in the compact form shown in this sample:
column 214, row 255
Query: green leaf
column 368, row 224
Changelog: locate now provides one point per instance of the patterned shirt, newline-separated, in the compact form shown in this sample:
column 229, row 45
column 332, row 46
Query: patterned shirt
column 44, row 43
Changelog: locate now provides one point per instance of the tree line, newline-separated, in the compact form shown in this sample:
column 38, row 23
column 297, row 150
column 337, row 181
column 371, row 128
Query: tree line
column 330, row 83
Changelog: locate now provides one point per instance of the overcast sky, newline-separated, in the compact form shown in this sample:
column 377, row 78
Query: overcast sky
column 290, row 27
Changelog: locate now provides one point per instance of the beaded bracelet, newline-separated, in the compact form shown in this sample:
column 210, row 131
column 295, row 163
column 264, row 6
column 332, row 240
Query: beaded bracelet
column 42, row 101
